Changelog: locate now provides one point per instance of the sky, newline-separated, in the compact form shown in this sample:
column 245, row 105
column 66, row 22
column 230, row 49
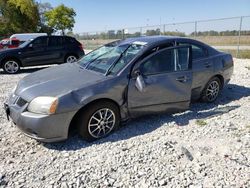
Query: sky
column 103, row 15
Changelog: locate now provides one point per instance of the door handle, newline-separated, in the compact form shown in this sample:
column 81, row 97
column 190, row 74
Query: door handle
column 182, row 79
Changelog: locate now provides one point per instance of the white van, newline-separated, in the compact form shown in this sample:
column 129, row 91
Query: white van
column 22, row 37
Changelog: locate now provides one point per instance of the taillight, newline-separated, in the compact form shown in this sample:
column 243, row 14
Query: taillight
column 81, row 46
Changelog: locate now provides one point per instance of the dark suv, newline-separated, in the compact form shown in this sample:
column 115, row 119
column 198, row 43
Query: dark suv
column 43, row 50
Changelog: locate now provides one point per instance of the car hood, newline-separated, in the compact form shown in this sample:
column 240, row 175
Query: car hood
column 9, row 50
column 56, row 81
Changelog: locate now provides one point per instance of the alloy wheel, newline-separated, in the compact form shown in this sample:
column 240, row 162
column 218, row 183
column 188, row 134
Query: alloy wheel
column 212, row 90
column 71, row 59
column 101, row 123
column 11, row 66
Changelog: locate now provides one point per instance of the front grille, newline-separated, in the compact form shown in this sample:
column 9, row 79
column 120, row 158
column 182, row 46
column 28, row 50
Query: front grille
column 21, row 102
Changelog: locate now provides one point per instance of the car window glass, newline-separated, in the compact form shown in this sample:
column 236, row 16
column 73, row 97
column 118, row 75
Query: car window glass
column 103, row 62
column 130, row 53
column 155, row 49
column 169, row 60
column 197, row 52
column 40, row 42
column 55, row 41
column 70, row 40
column 162, row 62
column 15, row 42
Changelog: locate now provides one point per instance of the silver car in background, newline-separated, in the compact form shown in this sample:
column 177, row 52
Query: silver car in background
column 121, row 80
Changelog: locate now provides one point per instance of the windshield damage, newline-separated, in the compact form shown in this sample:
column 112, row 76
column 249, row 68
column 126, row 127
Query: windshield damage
column 111, row 58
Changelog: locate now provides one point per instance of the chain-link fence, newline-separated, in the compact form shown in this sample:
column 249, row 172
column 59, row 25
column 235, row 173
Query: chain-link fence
column 226, row 34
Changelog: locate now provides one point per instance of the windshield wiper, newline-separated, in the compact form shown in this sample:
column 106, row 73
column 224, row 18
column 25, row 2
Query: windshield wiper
column 116, row 61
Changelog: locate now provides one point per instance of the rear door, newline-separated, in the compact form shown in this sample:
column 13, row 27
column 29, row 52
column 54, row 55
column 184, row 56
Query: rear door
column 161, row 82
column 55, row 50
column 202, row 66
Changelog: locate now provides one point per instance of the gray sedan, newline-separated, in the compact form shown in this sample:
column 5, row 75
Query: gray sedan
column 121, row 80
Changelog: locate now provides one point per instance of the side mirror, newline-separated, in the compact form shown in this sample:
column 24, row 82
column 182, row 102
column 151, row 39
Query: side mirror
column 139, row 83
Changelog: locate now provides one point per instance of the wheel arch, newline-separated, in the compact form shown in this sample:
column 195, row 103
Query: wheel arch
column 221, row 78
column 72, row 125
column 8, row 58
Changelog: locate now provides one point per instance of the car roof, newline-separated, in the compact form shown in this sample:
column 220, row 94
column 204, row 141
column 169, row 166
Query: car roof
column 155, row 40
column 147, row 39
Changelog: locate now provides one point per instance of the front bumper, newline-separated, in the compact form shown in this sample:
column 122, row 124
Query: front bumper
column 45, row 128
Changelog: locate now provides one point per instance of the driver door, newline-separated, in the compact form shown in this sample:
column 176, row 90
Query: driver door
column 36, row 52
column 161, row 82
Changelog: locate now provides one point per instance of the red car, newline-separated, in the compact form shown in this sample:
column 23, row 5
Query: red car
column 7, row 43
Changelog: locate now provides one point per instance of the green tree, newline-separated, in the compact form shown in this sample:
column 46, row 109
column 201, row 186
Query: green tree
column 18, row 16
column 61, row 18
column 42, row 26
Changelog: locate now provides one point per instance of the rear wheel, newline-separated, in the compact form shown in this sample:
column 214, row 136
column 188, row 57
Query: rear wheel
column 11, row 66
column 212, row 90
column 98, row 120
column 70, row 59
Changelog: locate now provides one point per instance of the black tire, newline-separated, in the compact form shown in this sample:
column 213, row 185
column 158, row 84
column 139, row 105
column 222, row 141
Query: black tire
column 11, row 66
column 72, row 56
column 90, row 116
column 212, row 90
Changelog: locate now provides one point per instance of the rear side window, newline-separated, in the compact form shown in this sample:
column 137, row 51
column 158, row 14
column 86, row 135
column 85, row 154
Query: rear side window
column 197, row 51
column 70, row 40
column 55, row 41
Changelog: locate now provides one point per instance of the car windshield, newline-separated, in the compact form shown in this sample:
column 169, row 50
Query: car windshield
column 24, row 44
column 110, row 59
column 4, row 42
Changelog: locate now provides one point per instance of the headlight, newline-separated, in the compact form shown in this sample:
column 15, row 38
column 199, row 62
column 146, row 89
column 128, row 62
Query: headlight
column 43, row 105
column 14, row 89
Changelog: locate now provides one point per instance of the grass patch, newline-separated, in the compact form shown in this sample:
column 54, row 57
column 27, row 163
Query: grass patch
column 243, row 54
column 201, row 122
column 225, row 40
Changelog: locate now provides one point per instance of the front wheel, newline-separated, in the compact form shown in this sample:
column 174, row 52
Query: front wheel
column 11, row 66
column 212, row 90
column 98, row 120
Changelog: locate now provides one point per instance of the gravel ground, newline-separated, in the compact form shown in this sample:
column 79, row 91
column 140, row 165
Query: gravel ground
column 206, row 146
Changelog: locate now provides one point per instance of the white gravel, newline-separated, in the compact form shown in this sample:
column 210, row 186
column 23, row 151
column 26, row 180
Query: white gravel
column 206, row 146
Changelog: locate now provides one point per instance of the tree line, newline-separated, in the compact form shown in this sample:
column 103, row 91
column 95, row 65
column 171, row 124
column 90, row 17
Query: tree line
column 28, row 16
column 221, row 33
column 120, row 34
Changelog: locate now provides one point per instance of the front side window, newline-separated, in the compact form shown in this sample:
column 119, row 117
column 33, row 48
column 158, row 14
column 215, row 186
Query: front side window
column 162, row 62
column 169, row 60
column 40, row 42
column 15, row 42
column 110, row 58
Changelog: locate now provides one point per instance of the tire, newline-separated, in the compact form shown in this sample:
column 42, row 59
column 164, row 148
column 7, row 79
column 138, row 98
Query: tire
column 98, row 120
column 70, row 59
column 11, row 66
column 212, row 90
